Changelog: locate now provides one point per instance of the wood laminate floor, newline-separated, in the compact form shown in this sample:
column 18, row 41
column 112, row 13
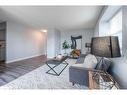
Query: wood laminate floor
column 11, row 71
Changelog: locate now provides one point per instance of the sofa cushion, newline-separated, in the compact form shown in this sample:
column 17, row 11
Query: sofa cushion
column 90, row 61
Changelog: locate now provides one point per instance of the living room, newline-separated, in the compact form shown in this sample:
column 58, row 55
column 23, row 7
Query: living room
column 33, row 35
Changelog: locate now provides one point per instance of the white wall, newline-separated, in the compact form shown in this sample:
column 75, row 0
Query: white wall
column 96, row 30
column 53, row 42
column 23, row 42
column 50, row 43
column 97, row 27
column 57, row 42
column 119, row 67
column 87, row 34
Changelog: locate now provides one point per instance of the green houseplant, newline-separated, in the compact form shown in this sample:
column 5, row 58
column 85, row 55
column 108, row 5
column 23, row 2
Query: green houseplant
column 65, row 45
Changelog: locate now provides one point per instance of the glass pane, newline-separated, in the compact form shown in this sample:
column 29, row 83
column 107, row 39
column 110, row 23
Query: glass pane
column 116, row 23
column 116, row 27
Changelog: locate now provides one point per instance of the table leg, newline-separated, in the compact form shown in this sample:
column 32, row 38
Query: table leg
column 52, row 68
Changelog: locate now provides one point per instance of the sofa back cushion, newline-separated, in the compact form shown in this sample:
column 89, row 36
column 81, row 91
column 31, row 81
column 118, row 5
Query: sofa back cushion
column 90, row 61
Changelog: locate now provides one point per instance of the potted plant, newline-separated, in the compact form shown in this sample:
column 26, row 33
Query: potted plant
column 65, row 46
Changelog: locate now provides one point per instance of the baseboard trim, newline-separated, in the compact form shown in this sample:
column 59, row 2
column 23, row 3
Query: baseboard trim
column 19, row 59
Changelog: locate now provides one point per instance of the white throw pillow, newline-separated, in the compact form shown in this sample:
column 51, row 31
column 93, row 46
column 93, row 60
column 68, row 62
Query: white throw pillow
column 90, row 61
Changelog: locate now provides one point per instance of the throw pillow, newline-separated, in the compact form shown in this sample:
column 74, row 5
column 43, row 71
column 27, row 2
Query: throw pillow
column 103, row 65
column 90, row 61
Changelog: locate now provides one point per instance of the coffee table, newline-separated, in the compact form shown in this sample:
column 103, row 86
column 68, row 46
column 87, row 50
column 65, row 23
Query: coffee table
column 56, row 62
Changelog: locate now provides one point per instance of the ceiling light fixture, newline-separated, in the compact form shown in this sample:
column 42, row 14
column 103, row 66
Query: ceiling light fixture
column 44, row 30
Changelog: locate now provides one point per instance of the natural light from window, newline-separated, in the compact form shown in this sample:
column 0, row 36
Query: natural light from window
column 116, row 27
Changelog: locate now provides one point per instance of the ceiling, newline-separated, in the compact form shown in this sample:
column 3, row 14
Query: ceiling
column 59, row 17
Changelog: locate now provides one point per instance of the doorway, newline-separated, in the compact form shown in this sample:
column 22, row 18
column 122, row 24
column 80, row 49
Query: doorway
column 2, row 42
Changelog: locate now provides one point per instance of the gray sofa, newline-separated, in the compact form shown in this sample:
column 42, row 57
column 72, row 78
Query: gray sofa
column 79, row 75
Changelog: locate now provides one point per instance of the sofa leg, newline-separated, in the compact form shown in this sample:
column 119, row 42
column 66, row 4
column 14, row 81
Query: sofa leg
column 73, row 83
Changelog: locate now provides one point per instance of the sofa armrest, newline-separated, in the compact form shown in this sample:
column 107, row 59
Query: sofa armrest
column 79, row 75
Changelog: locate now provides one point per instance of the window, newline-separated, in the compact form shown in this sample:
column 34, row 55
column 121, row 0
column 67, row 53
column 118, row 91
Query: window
column 115, row 25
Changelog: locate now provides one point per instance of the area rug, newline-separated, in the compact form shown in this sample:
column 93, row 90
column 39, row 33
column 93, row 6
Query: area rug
column 39, row 79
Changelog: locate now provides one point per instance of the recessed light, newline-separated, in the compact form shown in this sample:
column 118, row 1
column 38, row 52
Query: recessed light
column 44, row 30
